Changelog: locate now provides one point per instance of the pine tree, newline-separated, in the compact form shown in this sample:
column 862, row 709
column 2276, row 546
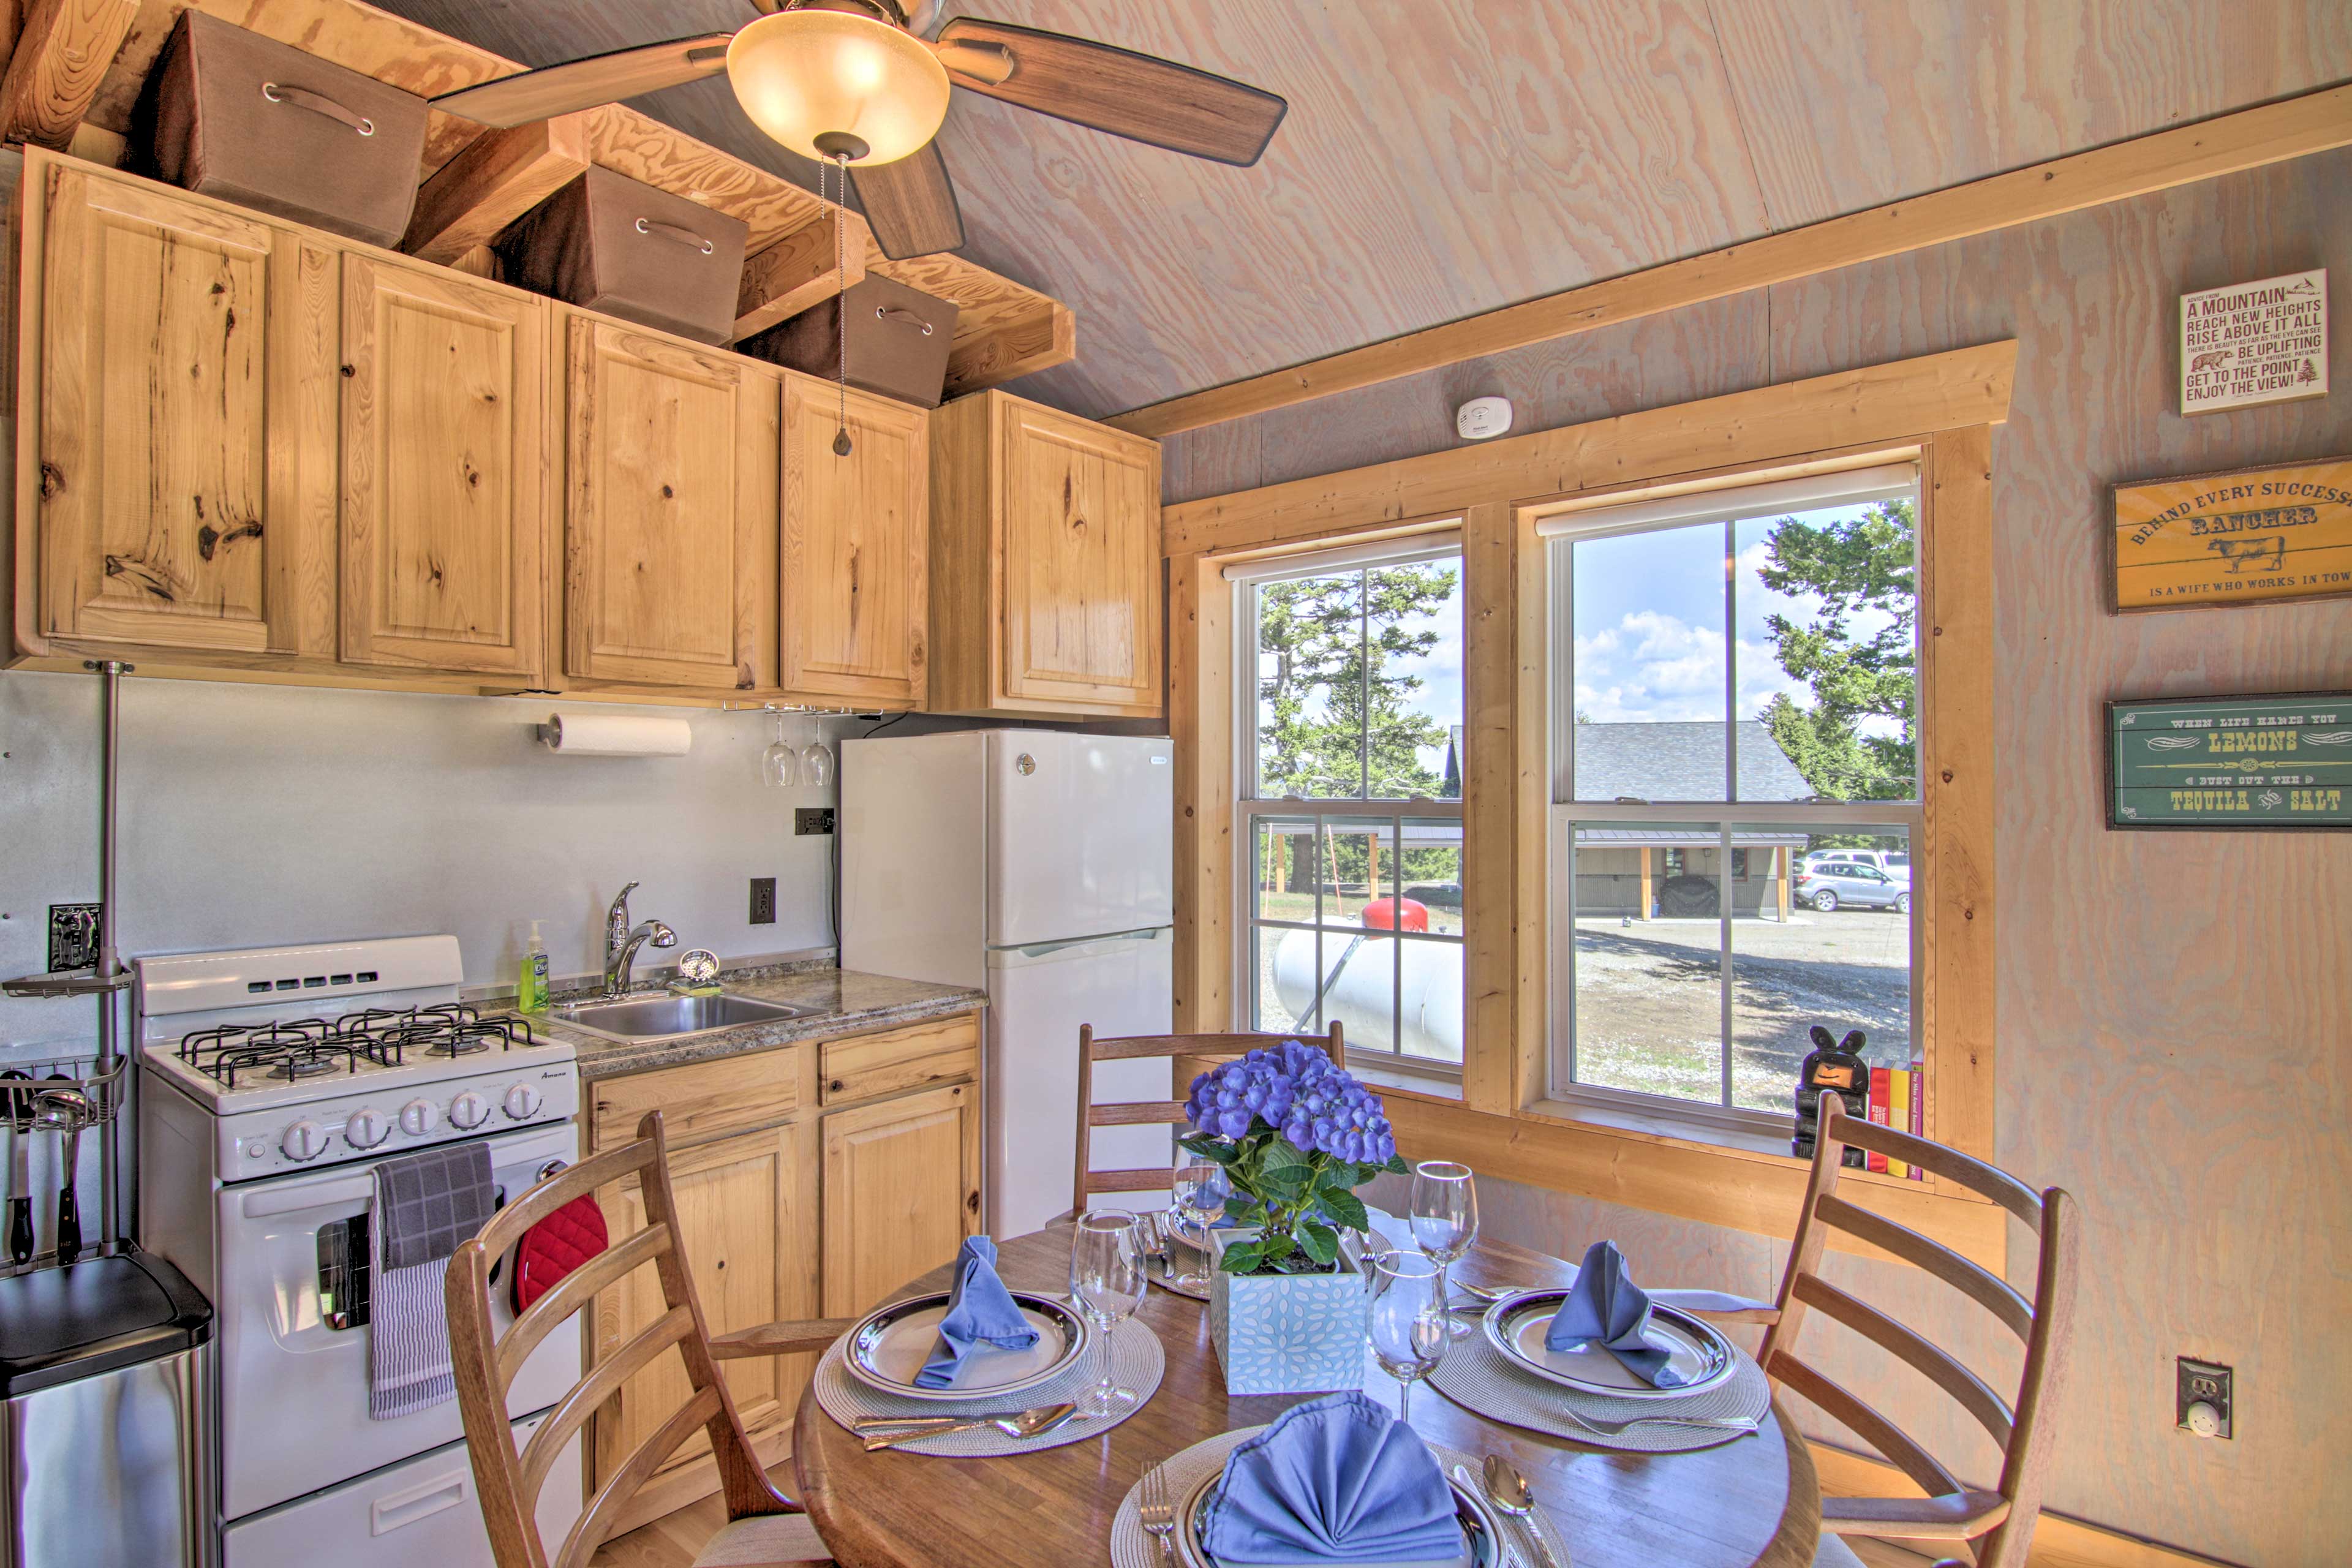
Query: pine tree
column 1864, row 564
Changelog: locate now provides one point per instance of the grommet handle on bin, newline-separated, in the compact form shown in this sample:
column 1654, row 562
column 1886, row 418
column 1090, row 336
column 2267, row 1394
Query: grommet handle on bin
column 671, row 231
column 303, row 98
column 899, row 313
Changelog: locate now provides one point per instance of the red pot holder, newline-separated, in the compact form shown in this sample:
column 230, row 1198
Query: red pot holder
column 555, row 1247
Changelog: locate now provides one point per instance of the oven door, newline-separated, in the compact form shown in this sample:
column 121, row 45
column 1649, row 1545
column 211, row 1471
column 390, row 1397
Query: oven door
column 294, row 1387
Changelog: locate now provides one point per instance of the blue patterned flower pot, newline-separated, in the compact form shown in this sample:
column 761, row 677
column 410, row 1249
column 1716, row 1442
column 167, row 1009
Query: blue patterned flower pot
column 1287, row 1333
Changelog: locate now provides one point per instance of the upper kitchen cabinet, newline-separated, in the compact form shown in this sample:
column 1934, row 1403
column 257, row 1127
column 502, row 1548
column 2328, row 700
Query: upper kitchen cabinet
column 178, row 444
column 670, row 513
column 852, row 599
column 444, row 471
column 1046, row 580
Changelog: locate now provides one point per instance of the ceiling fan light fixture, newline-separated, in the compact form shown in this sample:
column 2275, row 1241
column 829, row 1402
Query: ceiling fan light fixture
column 802, row 74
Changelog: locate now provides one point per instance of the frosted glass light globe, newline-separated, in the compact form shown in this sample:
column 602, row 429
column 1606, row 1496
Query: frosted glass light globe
column 799, row 74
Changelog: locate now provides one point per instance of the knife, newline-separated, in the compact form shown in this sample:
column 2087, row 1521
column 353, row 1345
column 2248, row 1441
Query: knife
column 69, row 1237
column 20, row 1170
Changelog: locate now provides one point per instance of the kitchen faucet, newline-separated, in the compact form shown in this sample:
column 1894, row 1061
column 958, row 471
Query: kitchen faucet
column 622, row 942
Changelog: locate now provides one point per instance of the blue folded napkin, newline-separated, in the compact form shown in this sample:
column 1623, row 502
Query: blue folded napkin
column 1338, row 1477
column 981, row 1311
column 1605, row 1307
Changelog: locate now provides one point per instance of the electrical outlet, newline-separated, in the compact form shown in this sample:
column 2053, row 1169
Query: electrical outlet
column 763, row 900
column 73, row 936
column 813, row 819
column 2205, row 1399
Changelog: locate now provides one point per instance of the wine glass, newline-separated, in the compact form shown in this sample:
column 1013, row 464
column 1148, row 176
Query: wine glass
column 1199, row 1202
column 1106, row 1282
column 816, row 762
column 1407, row 1320
column 1446, row 1221
column 779, row 764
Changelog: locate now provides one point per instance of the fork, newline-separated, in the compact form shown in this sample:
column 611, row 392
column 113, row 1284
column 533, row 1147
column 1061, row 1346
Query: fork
column 1617, row 1428
column 1158, row 1513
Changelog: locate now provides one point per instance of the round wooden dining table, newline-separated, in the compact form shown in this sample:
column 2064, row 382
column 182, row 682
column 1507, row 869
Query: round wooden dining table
column 1749, row 1503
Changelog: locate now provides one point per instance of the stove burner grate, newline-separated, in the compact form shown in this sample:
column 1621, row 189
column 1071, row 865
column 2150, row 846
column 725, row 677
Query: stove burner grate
column 292, row 1050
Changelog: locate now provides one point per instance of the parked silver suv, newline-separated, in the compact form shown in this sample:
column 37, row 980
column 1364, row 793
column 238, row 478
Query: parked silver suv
column 1824, row 885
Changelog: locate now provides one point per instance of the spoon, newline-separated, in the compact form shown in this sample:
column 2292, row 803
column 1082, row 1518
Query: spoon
column 1506, row 1488
column 1028, row 1424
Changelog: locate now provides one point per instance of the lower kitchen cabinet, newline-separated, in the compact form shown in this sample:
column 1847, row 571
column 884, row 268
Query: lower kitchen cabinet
column 901, row 1192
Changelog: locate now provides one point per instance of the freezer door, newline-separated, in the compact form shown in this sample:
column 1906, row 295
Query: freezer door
column 1037, row 999
column 1080, row 835
column 913, row 857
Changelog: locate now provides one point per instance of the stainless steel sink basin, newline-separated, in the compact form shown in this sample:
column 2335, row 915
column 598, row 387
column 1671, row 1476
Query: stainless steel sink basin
column 667, row 1018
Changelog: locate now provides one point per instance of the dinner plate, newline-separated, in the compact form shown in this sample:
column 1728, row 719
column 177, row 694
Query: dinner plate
column 1481, row 1538
column 1517, row 1324
column 889, row 1346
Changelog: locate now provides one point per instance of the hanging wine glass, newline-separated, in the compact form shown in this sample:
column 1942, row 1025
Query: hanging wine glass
column 816, row 760
column 780, row 765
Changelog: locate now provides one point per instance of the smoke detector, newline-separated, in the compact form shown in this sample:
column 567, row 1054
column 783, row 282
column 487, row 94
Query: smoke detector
column 1482, row 418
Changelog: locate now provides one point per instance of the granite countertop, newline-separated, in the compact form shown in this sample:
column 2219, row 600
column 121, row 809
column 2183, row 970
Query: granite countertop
column 840, row 1002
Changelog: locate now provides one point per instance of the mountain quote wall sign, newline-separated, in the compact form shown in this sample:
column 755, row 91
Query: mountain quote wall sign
column 2246, row 536
column 2255, row 343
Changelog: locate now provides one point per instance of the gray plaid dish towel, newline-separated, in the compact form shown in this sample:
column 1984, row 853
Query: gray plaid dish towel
column 426, row 1205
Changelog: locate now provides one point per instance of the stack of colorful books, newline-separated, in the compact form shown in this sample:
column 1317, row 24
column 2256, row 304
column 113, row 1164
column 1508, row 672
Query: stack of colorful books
column 1899, row 1098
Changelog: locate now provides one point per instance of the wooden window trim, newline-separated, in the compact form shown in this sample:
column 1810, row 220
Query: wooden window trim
column 1938, row 408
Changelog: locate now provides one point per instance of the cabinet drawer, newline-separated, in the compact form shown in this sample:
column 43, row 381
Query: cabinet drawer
column 863, row 1066
column 705, row 1100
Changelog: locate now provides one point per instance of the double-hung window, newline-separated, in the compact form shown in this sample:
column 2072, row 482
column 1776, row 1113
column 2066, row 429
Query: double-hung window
column 1734, row 699
column 1347, row 747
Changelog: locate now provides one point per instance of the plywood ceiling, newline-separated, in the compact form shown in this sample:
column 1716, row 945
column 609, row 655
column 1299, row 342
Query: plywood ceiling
column 1443, row 157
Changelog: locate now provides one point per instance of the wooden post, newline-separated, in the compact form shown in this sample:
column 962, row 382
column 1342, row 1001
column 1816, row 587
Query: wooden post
column 1644, row 913
column 1781, row 872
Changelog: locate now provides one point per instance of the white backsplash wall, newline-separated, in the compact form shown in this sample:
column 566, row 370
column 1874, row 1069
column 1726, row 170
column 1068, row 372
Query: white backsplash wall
column 269, row 813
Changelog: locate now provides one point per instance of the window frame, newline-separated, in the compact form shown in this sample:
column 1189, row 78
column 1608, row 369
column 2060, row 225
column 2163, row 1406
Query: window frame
column 1720, row 507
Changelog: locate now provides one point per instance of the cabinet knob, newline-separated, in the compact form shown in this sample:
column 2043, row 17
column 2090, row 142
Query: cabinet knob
column 350, row 371
column 835, row 1086
column 971, row 1201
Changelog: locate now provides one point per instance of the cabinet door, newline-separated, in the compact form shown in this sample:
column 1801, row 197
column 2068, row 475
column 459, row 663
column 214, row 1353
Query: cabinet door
column 185, row 478
column 901, row 1192
column 1081, row 571
column 665, row 523
column 747, row 1231
column 443, row 472
column 855, row 593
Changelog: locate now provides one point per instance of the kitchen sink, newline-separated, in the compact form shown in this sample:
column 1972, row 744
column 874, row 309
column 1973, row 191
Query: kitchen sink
column 671, row 1017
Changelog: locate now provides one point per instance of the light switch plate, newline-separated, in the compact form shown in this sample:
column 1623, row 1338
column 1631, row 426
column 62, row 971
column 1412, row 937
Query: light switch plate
column 73, row 936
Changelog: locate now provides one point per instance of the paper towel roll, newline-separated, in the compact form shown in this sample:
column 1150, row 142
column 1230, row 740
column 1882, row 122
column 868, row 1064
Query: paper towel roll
column 616, row 735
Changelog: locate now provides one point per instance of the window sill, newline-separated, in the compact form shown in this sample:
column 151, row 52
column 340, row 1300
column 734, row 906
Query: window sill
column 1376, row 1072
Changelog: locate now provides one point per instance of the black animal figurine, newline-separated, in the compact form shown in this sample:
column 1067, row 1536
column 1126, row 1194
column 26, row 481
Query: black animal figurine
column 1835, row 1065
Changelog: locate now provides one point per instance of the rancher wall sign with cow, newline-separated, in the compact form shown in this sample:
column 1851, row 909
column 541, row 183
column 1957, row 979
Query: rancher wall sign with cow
column 2255, row 343
column 2248, row 536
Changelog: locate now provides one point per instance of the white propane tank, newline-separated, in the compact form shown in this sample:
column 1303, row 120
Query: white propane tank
column 1361, row 984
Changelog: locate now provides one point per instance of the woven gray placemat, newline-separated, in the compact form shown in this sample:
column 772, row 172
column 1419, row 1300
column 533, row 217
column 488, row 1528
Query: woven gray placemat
column 1131, row 1547
column 1136, row 1363
column 1476, row 1376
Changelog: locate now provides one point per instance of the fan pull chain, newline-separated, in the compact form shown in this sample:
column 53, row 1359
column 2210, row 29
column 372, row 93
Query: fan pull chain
column 840, row 160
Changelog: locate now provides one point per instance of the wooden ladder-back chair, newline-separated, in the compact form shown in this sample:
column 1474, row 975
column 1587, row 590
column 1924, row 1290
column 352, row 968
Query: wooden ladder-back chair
column 1951, row 1511
column 765, row 1528
column 1155, row 1112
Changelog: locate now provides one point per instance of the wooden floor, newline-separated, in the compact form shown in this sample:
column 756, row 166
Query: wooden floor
column 672, row 1541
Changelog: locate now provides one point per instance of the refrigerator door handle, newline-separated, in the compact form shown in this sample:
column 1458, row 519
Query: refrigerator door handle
column 1041, row 949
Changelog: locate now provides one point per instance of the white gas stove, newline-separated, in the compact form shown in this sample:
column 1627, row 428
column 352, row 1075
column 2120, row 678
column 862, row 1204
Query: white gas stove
column 272, row 1080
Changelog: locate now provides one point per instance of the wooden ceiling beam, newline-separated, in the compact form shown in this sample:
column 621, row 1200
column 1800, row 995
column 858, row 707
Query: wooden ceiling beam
column 1020, row 347
column 798, row 272
column 499, row 176
column 2292, row 128
column 61, row 56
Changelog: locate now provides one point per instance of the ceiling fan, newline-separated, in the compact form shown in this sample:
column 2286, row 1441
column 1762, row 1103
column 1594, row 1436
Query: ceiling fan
column 848, row 82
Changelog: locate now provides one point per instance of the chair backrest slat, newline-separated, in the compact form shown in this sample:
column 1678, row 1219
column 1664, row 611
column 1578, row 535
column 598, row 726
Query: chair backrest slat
column 1972, row 1280
column 1154, row 1112
column 486, row 1363
column 1989, row 1409
column 2003, row 1521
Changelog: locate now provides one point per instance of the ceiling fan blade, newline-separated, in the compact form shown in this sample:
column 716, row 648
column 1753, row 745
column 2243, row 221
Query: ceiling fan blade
column 1139, row 97
column 586, row 83
column 910, row 205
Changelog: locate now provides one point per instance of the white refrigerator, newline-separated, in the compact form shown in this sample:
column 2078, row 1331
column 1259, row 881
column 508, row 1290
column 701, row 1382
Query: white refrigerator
column 1037, row 865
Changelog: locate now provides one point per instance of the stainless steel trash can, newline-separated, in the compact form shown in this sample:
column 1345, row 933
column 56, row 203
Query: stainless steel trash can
column 107, row 1417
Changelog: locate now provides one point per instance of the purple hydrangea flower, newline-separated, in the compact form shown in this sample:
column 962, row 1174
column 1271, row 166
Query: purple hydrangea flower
column 1292, row 1089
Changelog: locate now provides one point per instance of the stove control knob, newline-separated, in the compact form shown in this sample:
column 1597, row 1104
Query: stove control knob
column 366, row 1128
column 523, row 1102
column 469, row 1110
column 303, row 1141
column 419, row 1117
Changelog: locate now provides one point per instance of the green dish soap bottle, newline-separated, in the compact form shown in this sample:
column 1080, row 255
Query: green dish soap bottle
column 530, row 984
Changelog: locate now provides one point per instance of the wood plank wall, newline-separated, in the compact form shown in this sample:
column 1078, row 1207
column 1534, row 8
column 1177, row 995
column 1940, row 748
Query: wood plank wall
column 2175, row 1017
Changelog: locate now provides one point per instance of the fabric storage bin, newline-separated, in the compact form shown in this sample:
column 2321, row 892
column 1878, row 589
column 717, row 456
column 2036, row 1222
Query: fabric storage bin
column 606, row 243
column 229, row 113
column 898, row 340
